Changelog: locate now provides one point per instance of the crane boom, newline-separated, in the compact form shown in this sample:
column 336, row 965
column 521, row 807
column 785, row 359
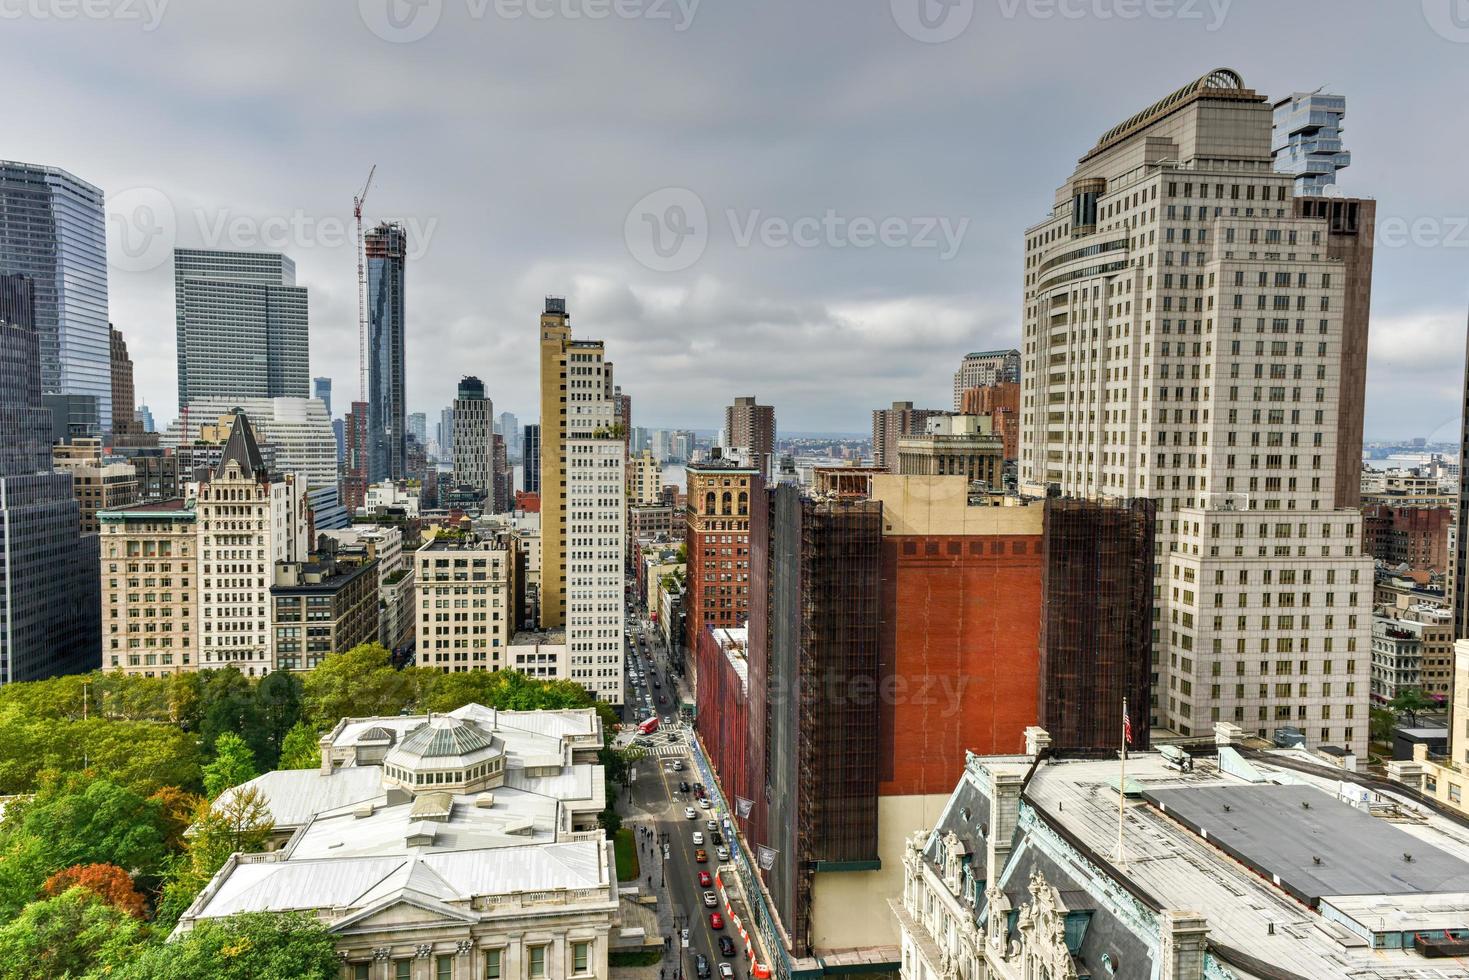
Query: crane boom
column 357, row 203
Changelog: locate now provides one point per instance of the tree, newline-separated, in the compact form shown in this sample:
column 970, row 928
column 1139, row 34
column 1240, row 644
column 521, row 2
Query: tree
column 72, row 934
column 231, row 706
column 176, row 807
column 360, row 683
column 300, row 748
column 237, row 821
column 108, row 882
column 278, row 705
column 142, row 755
column 1380, row 724
column 80, row 820
column 253, row 946
column 234, row 763
column 1410, row 702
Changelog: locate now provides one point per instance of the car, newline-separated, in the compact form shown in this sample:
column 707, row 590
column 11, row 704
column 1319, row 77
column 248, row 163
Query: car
column 690, row 813
column 678, row 765
column 726, row 972
column 710, row 900
column 701, row 966
column 722, row 853
column 715, row 837
column 661, row 698
column 716, row 921
column 698, row 837
column 705, row 879
column 711, row 824
column 683, row 785
column 726, row 946
column 657, row 682
column 704, row 802
column 701, row 856
column 698, row 789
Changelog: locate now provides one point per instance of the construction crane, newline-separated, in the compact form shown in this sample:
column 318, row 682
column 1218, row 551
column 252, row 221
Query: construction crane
column 357, row 203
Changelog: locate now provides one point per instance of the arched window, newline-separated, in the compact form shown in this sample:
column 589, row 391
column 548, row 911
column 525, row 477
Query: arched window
column 709, row 503
column 744, row 503
column 728, row 503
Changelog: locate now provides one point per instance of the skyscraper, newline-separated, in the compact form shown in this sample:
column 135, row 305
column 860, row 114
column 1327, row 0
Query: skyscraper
column 321, row 390
column 509, row 427
column 751, row 427
column 1183, row 340
column 888, row 424
column 54, row 231
column 531, row 454
column 446, row 433
column 583, row 512
column 1306, row 140
column 474, row 429
column 49, row 587
column 386, row 250
column 242, row 325
column 127, row 429
column 354, row 457
column 418, row 427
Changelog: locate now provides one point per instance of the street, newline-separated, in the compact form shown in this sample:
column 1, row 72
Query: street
column 656, row 808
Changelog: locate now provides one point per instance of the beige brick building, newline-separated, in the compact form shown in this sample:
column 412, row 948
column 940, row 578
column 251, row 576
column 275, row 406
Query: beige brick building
column 1184, row 332
column 466, row 600
column 150, row 588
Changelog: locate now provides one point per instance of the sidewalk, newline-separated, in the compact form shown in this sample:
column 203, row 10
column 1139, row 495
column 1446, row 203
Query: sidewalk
column 650, row 861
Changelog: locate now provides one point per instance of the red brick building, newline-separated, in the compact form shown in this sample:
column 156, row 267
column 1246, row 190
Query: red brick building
column 960, row 642
column 1414, row 536
column 1001, row 402
column 718, row 537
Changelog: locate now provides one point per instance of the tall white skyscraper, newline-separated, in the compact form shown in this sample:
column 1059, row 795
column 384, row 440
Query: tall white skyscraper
column 1183, row 334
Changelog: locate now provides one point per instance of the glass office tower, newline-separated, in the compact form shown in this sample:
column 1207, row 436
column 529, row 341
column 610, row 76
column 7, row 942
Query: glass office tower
column 53, row 230
column 242, row 325
column 386, row 248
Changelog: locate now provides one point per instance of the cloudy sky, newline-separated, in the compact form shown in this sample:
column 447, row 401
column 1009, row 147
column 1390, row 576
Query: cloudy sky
column 840, row 186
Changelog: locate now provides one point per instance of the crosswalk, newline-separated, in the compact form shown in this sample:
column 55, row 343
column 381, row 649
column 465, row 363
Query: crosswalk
column 675, row 750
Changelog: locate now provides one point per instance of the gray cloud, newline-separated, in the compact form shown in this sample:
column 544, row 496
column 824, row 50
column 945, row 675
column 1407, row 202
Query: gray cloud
column 526, row 141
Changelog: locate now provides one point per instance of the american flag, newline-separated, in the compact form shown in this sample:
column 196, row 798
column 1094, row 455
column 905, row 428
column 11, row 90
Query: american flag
column 1126, row 724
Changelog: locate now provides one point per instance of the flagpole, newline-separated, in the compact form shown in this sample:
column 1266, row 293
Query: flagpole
column 1122, row 787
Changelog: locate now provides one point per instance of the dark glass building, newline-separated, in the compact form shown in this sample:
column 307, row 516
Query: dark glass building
column 531, row 459
column 386, row 249
column 53, row 230
column 50, row 602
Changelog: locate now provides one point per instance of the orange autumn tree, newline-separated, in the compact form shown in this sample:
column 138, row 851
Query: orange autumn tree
column 107, row 881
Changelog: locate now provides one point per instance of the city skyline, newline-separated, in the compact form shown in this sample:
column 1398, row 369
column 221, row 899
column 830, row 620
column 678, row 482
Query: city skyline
column 857, row 308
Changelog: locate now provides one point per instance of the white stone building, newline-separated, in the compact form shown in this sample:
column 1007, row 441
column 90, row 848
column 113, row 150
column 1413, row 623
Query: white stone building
column 1238, row 865
column 1184, row 340
column 462, row 846
column 466, row 600
column 248, row 519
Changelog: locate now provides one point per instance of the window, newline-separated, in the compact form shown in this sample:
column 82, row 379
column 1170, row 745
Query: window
column 581, row 955
column 359, row 971
column 537, row 961
column 492, row 964
column 444, row 968
column 402, row 970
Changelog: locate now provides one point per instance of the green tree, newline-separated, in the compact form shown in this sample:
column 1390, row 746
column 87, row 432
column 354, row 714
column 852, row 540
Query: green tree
column 238, row 821
column 278, row 704
column 234, row 763
column 69, row 936
column 1380, row 724
column 299, row 749
column 80, row 820
column 359, row 684
column 231, row 705
column 254, row 946
column 1410, row 702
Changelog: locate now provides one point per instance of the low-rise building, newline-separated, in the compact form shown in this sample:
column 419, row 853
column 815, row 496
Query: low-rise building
column 1236, row 863
column 398, row 498
column 466, row 599
column 460, row 846
column 150, row 597
column 322, row 606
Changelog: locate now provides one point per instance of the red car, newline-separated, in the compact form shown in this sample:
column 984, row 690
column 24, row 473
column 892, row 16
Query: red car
column 716, row 921
column 701, row 856
column 705, row 880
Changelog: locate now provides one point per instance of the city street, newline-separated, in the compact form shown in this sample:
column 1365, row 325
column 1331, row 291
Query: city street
column 655, row 802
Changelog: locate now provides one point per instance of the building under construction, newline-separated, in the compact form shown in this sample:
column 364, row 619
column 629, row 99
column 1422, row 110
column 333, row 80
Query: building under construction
column 1096, row 629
